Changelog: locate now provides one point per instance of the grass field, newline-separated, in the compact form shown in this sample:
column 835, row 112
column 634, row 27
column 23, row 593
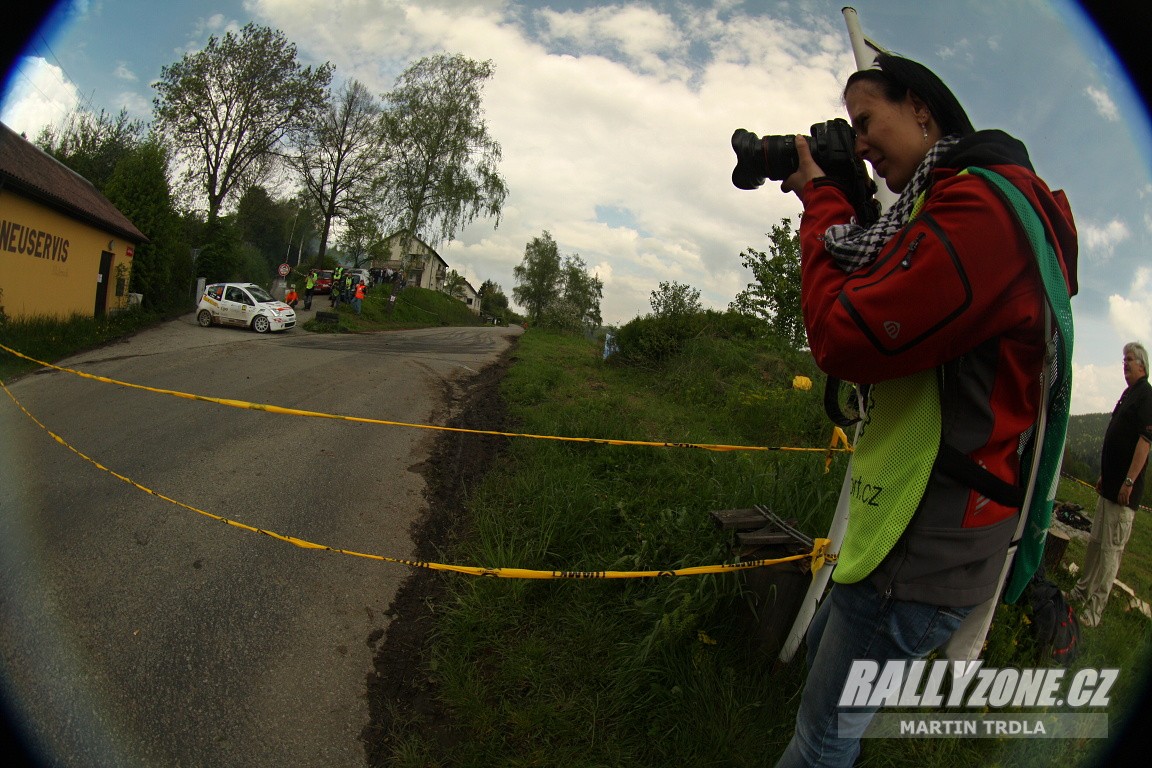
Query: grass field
column 664, row 672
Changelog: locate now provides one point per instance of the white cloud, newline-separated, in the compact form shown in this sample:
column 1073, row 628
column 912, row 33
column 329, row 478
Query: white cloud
column 961, row 49
column 136, row 103
column 217, row 22
column 1089, row 393
column 1099, row 240
column 1095, row 388
column 215, row 25
column 1131, row 315
column 39, row 95
column 648, row 40
column 1104, row 104
column 122, row 72
column 1097, row 373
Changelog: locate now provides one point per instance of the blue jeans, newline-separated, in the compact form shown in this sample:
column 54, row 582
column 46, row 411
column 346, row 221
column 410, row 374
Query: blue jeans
column 856, row 622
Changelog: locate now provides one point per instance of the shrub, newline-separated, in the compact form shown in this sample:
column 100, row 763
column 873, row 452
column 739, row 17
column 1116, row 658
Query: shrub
column 652, row 339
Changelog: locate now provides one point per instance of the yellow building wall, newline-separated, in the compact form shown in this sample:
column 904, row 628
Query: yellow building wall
column 50, row 263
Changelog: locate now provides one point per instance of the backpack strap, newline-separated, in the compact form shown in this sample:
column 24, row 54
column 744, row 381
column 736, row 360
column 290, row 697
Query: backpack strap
column 1052, row 424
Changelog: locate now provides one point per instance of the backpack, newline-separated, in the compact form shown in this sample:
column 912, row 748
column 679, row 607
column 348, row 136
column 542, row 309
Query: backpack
column 1055, row 628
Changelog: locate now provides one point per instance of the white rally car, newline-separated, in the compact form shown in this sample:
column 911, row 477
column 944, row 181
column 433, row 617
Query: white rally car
column 244, row 304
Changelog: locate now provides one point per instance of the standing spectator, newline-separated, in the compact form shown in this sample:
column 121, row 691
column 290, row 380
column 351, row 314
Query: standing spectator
column 954, row 386
column 309, row 289
column 358, row 300
column 1123, row 458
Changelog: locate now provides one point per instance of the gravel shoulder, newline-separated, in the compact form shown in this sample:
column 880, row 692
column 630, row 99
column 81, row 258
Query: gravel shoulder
column 399, row 691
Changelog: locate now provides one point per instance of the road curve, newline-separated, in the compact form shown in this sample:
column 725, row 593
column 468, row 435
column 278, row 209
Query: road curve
column 134, row 632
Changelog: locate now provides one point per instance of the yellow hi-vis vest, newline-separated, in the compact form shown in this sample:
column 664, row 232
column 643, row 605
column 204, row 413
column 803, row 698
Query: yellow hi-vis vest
column 891, row 465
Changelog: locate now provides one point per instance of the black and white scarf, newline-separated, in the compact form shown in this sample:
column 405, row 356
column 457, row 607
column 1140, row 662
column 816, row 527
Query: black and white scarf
column 852, row 246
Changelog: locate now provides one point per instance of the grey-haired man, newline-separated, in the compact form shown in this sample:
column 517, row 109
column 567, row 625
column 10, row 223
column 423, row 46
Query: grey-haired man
column 1123, row 459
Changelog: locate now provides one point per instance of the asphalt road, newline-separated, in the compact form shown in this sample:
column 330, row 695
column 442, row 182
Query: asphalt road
column 134, row 632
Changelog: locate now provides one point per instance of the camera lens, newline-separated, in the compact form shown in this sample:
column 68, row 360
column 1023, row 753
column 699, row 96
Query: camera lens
column 780, row 152
column 750, row 167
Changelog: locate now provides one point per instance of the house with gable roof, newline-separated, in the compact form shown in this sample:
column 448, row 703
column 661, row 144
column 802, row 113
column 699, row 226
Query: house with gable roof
column 421, row 265
column 419, row 262
column 471, row 298
column 65, row 249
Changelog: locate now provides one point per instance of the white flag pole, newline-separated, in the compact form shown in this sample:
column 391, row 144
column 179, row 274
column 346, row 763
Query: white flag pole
column 865, row 54
column 864, row 51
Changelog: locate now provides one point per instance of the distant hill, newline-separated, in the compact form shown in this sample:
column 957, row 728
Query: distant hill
column 1082, row 449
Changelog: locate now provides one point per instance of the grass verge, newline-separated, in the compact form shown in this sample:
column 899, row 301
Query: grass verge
column 50, row 339
column 413, row 308
column 659, row 672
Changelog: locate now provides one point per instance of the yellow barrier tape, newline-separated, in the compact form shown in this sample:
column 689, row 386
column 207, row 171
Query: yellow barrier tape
column 364, row 420
column 838, row 437
column 818, row 556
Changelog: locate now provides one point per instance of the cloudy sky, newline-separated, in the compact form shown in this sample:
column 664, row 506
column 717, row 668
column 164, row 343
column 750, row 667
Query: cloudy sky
column 615, row 119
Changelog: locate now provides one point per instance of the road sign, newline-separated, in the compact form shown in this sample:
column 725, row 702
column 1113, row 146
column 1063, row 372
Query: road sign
column 284, row 270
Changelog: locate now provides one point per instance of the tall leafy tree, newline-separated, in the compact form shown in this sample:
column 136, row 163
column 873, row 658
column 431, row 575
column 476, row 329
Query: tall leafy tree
column 362, row 240
column 775, row 295
column 579, row 305
column 556, row 290
column 227, row 109
column 220, row 254
column 454, row 284
column 674, row 298
column 131, row 168
column 263, row 223
column 92, row 145
column 138, row 186
column 442, row 171
column 492, row 299
column 341, row 155
column 538, row 276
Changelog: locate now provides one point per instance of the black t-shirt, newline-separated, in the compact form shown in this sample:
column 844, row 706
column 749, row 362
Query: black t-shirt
column 1131, row 421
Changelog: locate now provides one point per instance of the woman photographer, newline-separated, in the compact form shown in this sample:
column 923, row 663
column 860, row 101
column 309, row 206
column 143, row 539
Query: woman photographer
column 940, row 310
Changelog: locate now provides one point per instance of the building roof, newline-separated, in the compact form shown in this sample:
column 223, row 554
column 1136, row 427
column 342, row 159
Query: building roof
column 35, row 174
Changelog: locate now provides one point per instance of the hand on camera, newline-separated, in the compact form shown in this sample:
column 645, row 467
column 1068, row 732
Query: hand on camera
column 806, row 169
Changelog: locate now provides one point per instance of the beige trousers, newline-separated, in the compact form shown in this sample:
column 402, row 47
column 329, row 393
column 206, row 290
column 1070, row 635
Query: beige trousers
column 1111, row 526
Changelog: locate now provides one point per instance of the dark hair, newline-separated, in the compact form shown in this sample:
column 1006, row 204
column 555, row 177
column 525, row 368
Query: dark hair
column 897, row 76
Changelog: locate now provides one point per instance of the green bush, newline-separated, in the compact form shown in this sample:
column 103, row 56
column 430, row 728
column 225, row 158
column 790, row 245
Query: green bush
column 652, row 339
column 50, row 338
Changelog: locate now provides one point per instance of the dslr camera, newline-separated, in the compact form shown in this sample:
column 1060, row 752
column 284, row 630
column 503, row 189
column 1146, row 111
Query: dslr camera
column 832, row 144
column 774, row 157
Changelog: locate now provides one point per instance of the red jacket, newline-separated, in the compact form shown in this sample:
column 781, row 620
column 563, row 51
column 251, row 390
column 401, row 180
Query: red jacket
column 957, row 290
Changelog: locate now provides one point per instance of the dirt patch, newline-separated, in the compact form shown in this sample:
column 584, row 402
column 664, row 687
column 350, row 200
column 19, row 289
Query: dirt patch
column 401, row 698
